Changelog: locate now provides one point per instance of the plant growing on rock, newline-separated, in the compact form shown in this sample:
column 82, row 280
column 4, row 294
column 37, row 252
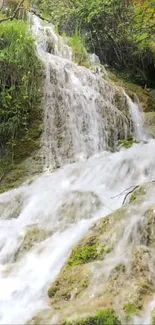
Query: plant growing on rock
column 103, row 317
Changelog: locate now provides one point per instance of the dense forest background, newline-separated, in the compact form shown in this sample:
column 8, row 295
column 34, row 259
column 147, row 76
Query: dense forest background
column 120, row 32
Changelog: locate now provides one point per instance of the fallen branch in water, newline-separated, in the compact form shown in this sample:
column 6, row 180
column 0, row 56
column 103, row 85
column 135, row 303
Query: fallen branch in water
column 134, row 187
column 113, row 197
column 129, row 193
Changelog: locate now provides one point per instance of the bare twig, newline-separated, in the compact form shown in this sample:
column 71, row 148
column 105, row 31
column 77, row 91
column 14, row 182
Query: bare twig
column 134, row 187
column 129, row 193
column 113, row 197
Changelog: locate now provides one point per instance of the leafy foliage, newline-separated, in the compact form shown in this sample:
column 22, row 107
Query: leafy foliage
column 20, row 71
column 80, row 54
column 121, row 32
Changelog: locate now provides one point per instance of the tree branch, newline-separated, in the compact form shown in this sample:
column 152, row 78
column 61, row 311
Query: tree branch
column 38, row 15
column 14, row 14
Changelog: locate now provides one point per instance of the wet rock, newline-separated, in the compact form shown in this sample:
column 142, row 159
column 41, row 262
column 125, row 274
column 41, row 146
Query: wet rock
column 32, row 236
column 11, row 206
column 77, row 205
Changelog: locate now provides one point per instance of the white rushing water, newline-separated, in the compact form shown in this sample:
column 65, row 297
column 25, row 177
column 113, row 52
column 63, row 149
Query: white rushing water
column 42, row 221
column 63, row 204
column 138, row 121
column 84, row 113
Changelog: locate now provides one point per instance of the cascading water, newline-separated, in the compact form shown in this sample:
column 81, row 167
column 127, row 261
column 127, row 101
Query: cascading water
column 137, row 117
column 42, row 221
column 84, row 113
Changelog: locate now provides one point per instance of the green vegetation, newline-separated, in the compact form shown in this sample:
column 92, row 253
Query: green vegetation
column 84, row 283
column 83, row 254
column 71, row 282
column 103, row 317
column 137, row 194
column 88, row 252
column 80, row 54
column 126, row 143
column 120, row 32
column 131, row 308
column 52, row 291
column 133, row 197
column 20, row 97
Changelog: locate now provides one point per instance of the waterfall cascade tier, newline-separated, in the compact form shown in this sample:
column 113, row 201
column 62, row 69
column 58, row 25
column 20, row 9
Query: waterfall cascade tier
column 84, row 113
column 42, row 221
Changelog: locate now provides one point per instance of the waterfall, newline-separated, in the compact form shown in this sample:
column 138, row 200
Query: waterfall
column 137, row 118
column 41, row 222
column 84, row 113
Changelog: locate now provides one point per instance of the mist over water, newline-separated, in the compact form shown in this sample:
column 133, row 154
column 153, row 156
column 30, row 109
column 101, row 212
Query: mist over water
column 41, row 222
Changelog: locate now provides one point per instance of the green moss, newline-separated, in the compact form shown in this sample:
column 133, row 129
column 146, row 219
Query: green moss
column 133, row 197
column 138, row 193
column 83, row 255
column 131, row 308
column 127, row 143
column 52, row 291
column 107, row 317
column 84, row 283
column 103, row 317
column 70, row 283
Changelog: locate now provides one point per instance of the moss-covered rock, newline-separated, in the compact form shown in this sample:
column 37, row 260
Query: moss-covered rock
column 103, row 317
column 83, row 255
column 69, row 284
column 148, row 231
column 137, row 194
column 145, row 97
column 131, row 308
